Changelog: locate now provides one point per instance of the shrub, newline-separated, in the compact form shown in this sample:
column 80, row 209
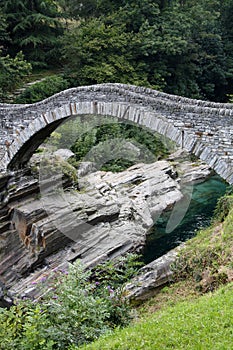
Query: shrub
column 76, row 310
column 117, row 272
column 75, row 314
column 23, row 327
column 13, row 72
column 41, row 90
column 223, row 207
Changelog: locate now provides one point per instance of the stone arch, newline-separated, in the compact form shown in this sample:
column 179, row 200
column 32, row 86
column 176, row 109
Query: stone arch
column 28, row 141
column 203, row 128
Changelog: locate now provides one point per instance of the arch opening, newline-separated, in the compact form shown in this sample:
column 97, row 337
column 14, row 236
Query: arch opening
column 81, row 124
column 23, row 155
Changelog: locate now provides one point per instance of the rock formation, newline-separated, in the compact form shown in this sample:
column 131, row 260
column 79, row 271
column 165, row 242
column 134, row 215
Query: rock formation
column 44, row 227
column 150, row 278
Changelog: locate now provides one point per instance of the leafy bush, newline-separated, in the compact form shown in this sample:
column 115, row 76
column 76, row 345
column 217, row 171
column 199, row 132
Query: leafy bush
column 75, row 309
column 12, row 73
column 41, row 90
column 110, row 277
column 54, row 165
column 118, row 271
column 224, row 205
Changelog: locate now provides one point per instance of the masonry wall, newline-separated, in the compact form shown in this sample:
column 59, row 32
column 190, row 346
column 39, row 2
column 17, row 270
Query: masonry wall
column 204, row 128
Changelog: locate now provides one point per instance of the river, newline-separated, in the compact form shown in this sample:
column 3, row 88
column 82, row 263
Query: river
column 199, row 215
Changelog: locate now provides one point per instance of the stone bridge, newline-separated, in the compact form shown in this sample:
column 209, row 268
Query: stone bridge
column 203, row 128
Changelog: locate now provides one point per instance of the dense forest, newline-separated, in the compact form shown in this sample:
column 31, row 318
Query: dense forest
column 178, row 46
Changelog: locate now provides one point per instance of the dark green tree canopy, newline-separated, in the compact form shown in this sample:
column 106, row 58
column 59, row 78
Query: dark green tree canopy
column 176, row 46
column 33, row 27
column 182, row 47
column 4, row 37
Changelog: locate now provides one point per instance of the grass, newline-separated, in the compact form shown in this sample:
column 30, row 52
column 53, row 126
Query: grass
column 208, row 258
column 169, row 296
column 205, row 323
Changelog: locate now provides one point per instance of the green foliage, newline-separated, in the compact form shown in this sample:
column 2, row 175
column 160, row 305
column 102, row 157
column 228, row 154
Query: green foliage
column 116, row 272
column 127, row 143
column 109, row 144
column 90, row 8
column 109, row 279
column 181, row 47
column 227, row 34
column 33, row 28
column 13, row 71
column 74, row 309
column 176, row 46
column 56, row 165
column 4, row 36
column 41, row 90
column 75, row 314
column 67, row 133
column 97, row 52
column 224, row 205
column 23, row 327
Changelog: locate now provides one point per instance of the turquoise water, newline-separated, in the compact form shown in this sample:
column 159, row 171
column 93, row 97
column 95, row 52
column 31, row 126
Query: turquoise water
column 198, row 215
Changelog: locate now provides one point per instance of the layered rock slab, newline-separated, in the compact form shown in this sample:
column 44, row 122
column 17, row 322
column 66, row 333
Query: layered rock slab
column 111, row 214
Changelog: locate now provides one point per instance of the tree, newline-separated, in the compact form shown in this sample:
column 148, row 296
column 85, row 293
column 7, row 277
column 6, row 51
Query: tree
column 34, row 28
column 4, row 37
column 206, row 37
column 89, row 8
column 185, row 47
column 227, row 34
column 96, row 52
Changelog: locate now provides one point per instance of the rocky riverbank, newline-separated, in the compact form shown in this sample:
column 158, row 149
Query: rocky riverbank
column 109, row 215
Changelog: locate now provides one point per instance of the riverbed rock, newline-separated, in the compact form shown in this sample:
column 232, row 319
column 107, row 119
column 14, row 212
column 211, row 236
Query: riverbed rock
column 86, row 168
column 6, row 301
column 64, row 153
column 151, row 278
column 111, row 214
column 190, row 171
